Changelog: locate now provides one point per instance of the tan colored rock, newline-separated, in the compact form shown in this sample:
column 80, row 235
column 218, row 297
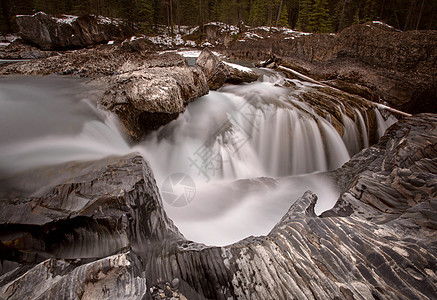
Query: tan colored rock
column 147, row 98
column 215, row 70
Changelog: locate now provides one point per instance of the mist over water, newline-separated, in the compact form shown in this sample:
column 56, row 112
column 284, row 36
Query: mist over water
column 251, row 149
column 45, row 121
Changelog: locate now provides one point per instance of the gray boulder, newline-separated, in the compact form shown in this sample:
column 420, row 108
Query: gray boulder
column 239, row 74
column 215, row 70
column 218, row 72
column 144, row 99
column 51, row 33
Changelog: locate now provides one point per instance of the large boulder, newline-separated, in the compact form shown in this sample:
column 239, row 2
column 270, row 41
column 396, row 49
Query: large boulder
column 218, row 72
column 68, row 32
column 146, row 98
column 79, row 244
column 215, row 70
column 239, row 74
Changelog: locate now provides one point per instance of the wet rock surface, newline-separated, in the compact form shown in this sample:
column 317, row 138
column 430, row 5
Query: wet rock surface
column 215, row 70
column 218, row 72
column 239, row 74
column 378, row 240
column 68, row 32
column 147, row 98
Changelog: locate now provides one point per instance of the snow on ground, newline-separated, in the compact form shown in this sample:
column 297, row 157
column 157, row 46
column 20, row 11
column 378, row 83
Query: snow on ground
column 189, row 43
column 186, row 52
column 11, row 38
column 66, row 19
column 38, row 13
column 207, row 44
column 238, row 67
column 290, row 33
column 107, row 21
column 4, row 44
column 185, row 30
column 167, row 40
column 381, row 23
column 189, row 53
column 233, row 30
column 250, row 36
column 194, row 53
column 69, row 19
column 265, row 28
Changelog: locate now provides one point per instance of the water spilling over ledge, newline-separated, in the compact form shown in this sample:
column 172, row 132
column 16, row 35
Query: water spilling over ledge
column 251, row 133
column 101, row 224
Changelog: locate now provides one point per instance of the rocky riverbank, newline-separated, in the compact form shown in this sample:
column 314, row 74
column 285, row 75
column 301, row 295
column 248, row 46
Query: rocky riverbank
column 370, row 59
column 101, row 226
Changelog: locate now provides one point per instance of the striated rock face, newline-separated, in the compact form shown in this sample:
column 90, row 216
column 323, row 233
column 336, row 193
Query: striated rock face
column 51, row 33
column 362, row 249
column 378, row 240
column 398, row 66
column 147, row 98
column 215, row 70
column 69, row 233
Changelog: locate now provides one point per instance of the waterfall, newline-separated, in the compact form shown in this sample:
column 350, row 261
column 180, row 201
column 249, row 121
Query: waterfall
column 251, row 149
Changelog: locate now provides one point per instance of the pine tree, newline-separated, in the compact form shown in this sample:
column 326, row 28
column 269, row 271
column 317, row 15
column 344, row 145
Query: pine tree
column 283, row 19
column 145, row 14
column 227, row 11
column 305, row 12
column 369, row 13
column 319, row 19
column 258, row 13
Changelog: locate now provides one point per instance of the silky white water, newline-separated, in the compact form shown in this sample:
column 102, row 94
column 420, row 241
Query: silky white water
column 232, row 143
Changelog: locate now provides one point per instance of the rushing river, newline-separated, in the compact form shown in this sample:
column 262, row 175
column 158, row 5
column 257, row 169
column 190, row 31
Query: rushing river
column 228, row 168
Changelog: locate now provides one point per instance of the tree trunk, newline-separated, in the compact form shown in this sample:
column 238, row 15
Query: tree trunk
column 420, row 15
column 340, row 24
column 7, row 15
column 410, row 12
column 168, row 16
column 381, row 15
column 178, row 13
column 200, row 14
column 171, row 16
column 431, row 19
column 279, row 12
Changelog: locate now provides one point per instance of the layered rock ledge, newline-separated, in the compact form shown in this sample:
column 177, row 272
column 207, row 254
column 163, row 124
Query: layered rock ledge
column 50, row 33
column 101, row 226
column 398, row 67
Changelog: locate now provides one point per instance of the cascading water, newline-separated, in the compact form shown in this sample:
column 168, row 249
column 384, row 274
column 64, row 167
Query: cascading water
column 232, row 142
column 46, row 121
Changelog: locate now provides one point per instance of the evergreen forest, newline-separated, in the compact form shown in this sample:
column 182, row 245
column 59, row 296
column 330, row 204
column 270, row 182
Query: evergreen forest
column 304, row 15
